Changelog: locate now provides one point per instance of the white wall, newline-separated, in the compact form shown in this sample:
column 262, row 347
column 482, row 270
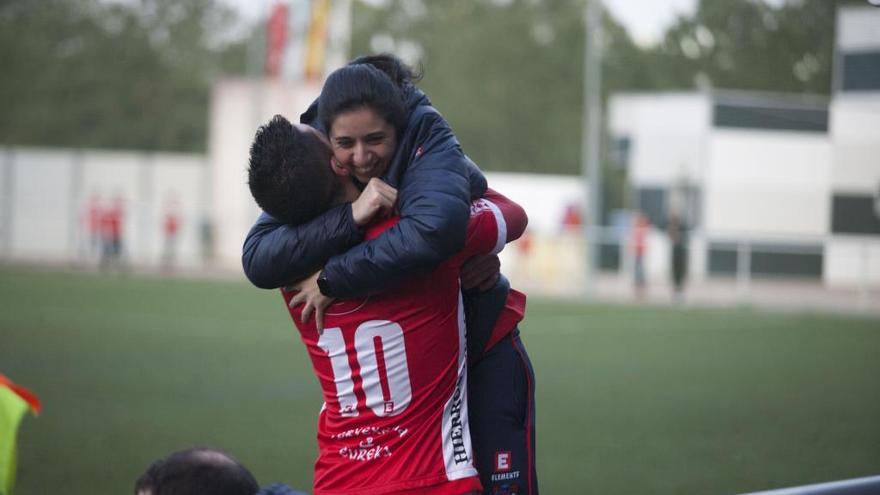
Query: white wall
column 855, row 135
column 544, row 197
column 667, row 132
column 767, row 182
column 238, row 108
column 41, row 222
column 852, row 260
column 857, row 28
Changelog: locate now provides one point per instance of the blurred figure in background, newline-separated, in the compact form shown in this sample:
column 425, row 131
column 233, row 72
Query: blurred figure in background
column 91, row 222
column 640, row 227
column 170, row 229
column 112, row 220
column 678, row 241
column 571, row 219
column 206, row 239
column 202, row 471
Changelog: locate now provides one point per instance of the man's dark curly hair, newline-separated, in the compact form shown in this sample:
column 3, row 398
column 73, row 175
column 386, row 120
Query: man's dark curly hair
column 289, row 173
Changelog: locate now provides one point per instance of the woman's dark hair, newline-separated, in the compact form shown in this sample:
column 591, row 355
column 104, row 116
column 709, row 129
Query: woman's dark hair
column 362, row 85
column 399, row 73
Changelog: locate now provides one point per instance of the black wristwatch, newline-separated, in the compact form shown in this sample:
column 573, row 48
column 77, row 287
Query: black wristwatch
column 323, row 284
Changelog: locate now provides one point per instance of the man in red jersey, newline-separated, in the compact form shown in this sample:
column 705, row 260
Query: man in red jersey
column 393, row 372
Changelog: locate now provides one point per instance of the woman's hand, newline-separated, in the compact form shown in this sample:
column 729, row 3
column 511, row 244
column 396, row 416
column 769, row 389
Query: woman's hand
column 377, row 197
column 310, row 294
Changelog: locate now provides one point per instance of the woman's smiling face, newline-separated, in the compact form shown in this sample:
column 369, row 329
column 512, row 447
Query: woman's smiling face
column 363, row 142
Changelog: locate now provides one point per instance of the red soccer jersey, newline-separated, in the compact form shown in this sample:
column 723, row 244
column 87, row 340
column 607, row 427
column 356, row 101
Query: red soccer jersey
column 393, row 374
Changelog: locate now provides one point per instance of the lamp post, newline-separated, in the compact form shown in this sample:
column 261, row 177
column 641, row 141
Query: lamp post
column 590, row 142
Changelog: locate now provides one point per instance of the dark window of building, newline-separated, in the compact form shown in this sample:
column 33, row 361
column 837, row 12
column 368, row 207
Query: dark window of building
column 722, row 259
column 855, row 214
column 768, row 260
column 618, row 154
column 609, row 256
column 767, row 117
column 652, row 202
column 861, row 71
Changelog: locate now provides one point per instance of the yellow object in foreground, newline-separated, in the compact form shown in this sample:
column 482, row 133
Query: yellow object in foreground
column 14, row 402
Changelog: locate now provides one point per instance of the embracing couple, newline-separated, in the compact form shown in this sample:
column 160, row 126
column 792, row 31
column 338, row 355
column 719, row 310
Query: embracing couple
column 383, row 238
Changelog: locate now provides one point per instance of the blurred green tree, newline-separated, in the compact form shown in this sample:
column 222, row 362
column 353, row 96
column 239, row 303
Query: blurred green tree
column 123, row 75
column 750, row 45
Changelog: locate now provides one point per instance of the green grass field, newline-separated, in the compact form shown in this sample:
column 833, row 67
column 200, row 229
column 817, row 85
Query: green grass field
column 630, row 400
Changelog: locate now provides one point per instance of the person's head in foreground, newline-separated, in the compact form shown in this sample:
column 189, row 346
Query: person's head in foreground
column 196, row 471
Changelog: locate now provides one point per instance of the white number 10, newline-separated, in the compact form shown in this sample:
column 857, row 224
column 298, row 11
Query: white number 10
column 381, row 355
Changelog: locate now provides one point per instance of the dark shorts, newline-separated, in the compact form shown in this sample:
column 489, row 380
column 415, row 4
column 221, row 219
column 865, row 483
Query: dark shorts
column 501, row 411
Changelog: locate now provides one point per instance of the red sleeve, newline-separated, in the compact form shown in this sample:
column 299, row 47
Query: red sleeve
column 484, row 229
column 514, row 215
column 495, row 220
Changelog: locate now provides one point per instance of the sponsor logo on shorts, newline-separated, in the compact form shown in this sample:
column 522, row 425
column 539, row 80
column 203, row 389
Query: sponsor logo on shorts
column 510, row 475
column 502, row 461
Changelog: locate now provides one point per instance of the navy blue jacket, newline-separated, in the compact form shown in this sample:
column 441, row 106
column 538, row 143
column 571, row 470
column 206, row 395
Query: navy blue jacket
column 435, row 183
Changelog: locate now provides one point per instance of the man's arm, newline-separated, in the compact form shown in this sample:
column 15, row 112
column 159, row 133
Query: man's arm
column 515, row 217
column 483, row 306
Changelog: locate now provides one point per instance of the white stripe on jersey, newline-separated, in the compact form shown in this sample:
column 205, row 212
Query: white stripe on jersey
column 483, row 204
column 455, row 432
column 502, row 227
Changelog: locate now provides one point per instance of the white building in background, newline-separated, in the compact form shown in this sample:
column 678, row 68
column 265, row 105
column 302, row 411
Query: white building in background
column 238, row 108
column 770, row 184
column 745, row 171
column 853, row 251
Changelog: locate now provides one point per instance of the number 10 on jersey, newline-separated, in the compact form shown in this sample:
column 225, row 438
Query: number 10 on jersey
column 380, row 354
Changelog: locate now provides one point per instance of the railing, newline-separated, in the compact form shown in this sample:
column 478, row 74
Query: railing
column 857, row 486
column 738, row 269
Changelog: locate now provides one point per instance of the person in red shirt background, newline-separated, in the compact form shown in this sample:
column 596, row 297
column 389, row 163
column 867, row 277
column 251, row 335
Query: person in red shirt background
column 112, row 225
column 170, row 230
